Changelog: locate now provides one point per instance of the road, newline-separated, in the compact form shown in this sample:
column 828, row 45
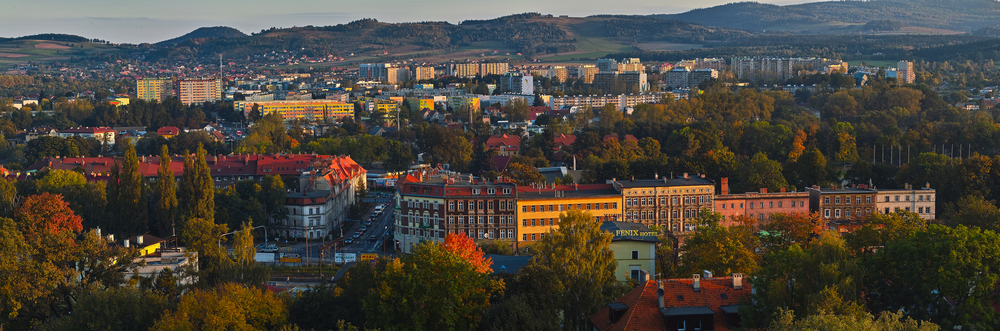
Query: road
column 381, row 227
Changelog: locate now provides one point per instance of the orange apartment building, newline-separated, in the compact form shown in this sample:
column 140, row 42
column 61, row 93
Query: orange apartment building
column 538, row 209
column 758, row 206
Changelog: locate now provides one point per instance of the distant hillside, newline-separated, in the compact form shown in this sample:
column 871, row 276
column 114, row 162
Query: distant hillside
column 50, row 36
column 218, row 32
column 959, row 15
column 529, row 34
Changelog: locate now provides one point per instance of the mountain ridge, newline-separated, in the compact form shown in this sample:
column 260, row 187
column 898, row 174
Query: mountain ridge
column 205, row 32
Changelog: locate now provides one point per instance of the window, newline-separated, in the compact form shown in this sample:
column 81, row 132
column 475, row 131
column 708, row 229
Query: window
column 837, row 212
column 920, row 198
column 858, row 200
column 663, row 201
column 491, row 191
column 887, row 198
column 635, row 255
column 506, row 191
column 779, row 204
column 868, row 199
column 489, row 220
column 723, row 206
column 673, row 200
column 847, row 200
column 480, row 205
column 770, row 204
column 605, row 205
column 472, row 205
column 524, row 222
column 838, row 200
column 628, row 202
column 751, row 205
column 451, row 219
column 533, row 237
column 551, row 208
column 588, row 206
column 826, row 213
column 897, row 198
column 480, row 220
column 920, row 210
column 490, row 204
column 475, row 191
column 847, row 213
column 826, row 200
column 907, row 198
column 907, row 208
column 524, row 237
column 460, row 204
column 524, row 209
column 532, row 209
column 614, row 205
column 480, row 234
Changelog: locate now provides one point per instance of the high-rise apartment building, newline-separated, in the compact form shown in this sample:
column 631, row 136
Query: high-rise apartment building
column 762, row 69
column 157, row 89
column 397, row 75
column 199, row 90
column 374, row 71
column 518, row 84
column 621, row 82
column 422, row 73
column 559, row 72
column 464, row 69
column 905, row 72
column 299, row 109
column 494, row 68
column 587, row 72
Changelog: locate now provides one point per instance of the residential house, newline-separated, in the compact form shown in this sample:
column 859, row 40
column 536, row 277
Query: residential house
column 325, row 195
column 168, row 131
column 670, row 203
column 697, row 303
column 504, row 144
column 920, row 200
column 102, row 134
column 842, row 207
column 634, row 247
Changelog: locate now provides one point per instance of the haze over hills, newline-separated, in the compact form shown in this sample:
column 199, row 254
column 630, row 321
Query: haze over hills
column 220, row 32
column 821, row 17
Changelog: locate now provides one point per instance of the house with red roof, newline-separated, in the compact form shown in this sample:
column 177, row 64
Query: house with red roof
column 168, row 131
column 103, row 134
column 504, row 144
column 702, row 302
column 564, row 141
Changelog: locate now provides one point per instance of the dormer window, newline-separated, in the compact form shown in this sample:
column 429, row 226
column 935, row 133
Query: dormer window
column 475, row 191
column 492, row 191
column 506, row 191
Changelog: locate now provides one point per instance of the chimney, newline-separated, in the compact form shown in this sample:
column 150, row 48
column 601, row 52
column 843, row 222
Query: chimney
column 763, row 190
column 696, row 282
column 138, row 240
column 928, row 185
column 126, row 243
column 659, row 295
column 782, row 190
column 686, row 176
column 737, row 281
column 656, row 176
column 724, row 189
column 708, row 274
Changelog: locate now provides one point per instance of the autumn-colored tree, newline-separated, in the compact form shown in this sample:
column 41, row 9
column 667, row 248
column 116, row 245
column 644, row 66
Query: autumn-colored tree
column 202, row 236
column 430, row 289
column 881, row 229
column 523, row 174
column 798, row 146
column 978, row 212
column 783, row 230
column 226, row 307
column 46, row 213
column 465, row 247
column 896, row 321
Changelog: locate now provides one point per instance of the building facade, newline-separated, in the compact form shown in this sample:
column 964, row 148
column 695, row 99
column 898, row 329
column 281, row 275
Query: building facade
column 518, row 84
column 672, row 204
column 539, row 209
column 758, row 206
column 621, row 82
column 433, row 205
column 154, row 89
column 634, row 248
column 921, row 201
column 199, row 90
column 299, row 109
column 905, row 73
column 842, row 207
column 104, row 135
column 321, row 205
column 423, row 73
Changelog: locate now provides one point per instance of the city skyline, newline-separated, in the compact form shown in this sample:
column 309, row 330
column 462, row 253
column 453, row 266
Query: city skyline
column 150, row 22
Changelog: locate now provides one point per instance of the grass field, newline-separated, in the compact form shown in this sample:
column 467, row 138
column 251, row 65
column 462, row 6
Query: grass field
column 22, row 51
column 589, row 47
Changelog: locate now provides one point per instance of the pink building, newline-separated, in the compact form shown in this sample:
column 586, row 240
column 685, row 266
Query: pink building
column 758, row 205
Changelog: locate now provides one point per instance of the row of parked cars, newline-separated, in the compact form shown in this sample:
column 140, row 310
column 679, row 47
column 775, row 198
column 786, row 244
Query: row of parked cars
column 357, row 235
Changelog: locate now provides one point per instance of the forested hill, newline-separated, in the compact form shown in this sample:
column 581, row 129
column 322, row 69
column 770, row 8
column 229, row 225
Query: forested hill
column 207, row 32
column 958, row 15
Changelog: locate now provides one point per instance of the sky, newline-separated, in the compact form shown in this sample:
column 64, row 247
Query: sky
column 138, row 21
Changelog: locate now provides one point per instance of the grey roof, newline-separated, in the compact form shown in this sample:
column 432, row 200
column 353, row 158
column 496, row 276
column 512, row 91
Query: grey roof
column 680, row 181
column 687, row 311
column 568, row 194
column 730, row 309
column 508, row 263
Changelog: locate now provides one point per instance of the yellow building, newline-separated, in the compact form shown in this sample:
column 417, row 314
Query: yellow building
column 634, row 248
column 158, row 89
column 421, row 104
column 538, row 210
column 299, row 109
column 671, row 203
column 458, row 103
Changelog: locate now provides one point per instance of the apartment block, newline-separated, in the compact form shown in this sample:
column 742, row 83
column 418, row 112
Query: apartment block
column 905, row 72
column 758, row 206
column 842, row 207
column 587, row 72
column 432, row 205
column 464, row 69
column 916, row 200
column 539, row 208
column 621, row 82
column 518, row 84
column 706, row 63
column 494, row 68
column 199, row 90
column 762, row 69
column 673, row 204
column 374, row 71
column 559, row 72
column 154, row 89
column 299, row 109
column 423, row 73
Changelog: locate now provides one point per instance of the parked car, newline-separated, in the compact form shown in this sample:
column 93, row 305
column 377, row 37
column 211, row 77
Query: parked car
column 363, row 229
column 368, row 222
column 357, row 235
column 269, row 248
column 348, row 241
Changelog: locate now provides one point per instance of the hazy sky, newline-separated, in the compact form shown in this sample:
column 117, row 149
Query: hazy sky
column 136, row 21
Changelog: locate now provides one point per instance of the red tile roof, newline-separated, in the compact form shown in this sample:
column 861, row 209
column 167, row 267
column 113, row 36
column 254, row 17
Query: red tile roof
column 168, row 130
column 512, row 142
column 563, row 140
column 644, row 313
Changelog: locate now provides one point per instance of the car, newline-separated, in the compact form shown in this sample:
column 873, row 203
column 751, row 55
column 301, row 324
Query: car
column 368, row 222
column 363, row 229
column 357, row 235
column 269, row 248
column 372, row 238
column 348, row 241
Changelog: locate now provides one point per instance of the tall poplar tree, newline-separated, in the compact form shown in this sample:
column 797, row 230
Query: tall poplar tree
column 126, row 203
column 166, row 195
column 197, row 188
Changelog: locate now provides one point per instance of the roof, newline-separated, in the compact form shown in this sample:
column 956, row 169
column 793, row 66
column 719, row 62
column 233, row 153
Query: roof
column 564, row 140
column 87, row 129
column 508, row 263
column 679, row 181
column 500, row 162
column 644, row 312
column 168, row 130
column 567, row 191
column 511, row 141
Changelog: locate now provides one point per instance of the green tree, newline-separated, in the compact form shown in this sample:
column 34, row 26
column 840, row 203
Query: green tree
column 272, row 198
column 822, row 278
column 127, row 206
column 718, row 248
column 945, row 275
column 516, row 110
column 197, row 192
column 166, row 195
column 786, row 321
column 881, row 229
column 760, row 172
column 431, row 289
column 975, row 211
column 202, row 236
column 245, row 269
column 116, row 309
column 572, row 271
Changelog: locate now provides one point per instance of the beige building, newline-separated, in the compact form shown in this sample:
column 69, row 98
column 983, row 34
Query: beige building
column 464, row 69
column 559, row 72
column 496, row 68
column 634, row 248
column 423, row 73
column 587, row 72
column 199, row 90
column 670, row 203
column 917, row 200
